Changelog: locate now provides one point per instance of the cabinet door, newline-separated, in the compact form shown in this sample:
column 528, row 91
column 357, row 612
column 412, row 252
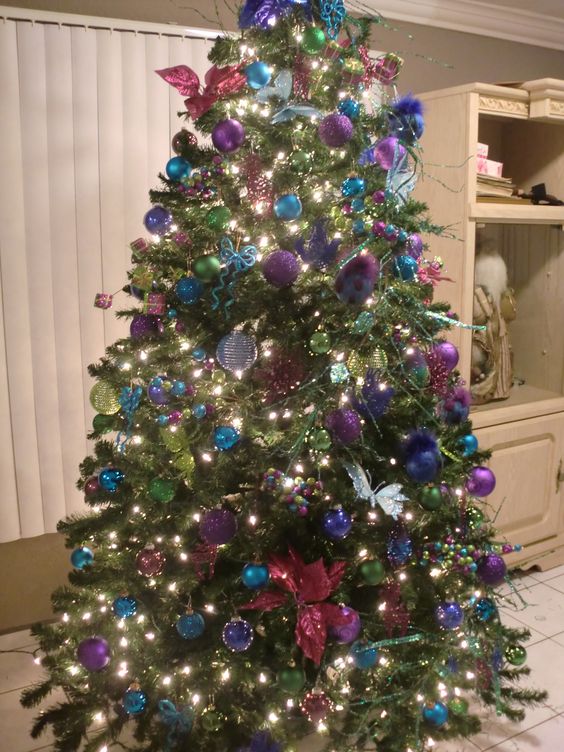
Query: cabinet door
column 526, row 459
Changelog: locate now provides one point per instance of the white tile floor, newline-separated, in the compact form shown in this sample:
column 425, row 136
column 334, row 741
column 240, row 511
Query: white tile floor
column 542, row 729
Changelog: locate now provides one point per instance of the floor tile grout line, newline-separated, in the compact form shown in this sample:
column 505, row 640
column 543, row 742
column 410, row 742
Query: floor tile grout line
column 15, row 689
column 523, row 731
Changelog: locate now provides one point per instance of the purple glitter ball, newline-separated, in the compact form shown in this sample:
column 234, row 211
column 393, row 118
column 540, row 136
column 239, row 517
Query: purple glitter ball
column 144, row 325
column 218, row 526
column 481, row 481
column 388, row 151
column 335, row 129
column 355, row 282
column 228, row 135
column 414, row 245
column 93, row 653
column 281, row 268
column 379, row 228
column 348, row 628
column 447, row 353
column 492, row 569
column 378, row 197
column 344, row 425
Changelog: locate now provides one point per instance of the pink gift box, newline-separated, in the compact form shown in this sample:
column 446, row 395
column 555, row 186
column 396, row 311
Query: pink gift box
column 489, row 167
column 155, row 303
column 483, row 150
column 103, row 300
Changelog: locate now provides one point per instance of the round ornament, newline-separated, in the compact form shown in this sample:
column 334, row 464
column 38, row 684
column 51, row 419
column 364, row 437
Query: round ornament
column 515, row 655
column 447, row 354
column 105, row 398
column 92, row 487
column 218, row 218
column 355, row 282
column 474, row 517
column 287, row 207
column 344, row 425
column 150, row 562
column 156, row 391
column 93, row 653
column 102, row 423
column 449, row 615
column 178, row 168
column 336, row 523
column 199, row 411
column 431, row 497
column 110, row 478
column 134, row 701
column 469, row 445
column 320, row 343
column 206, row 267
column 218, row 526
column 335, row 129
column 290, row 680
column 210, row 720
column 225, row 438
column 481, row 481
column 364, row 654
column 258, row 74
column 183, row 140
column 161, row 489
column 320, row 440
column 435, row 714
column 348, row 628
column 228, row 135
column 237, row 635
column 353, row 186
column 189, row 290
column 458, row 706
column 414, row 245
column 316, row 705
column 145, row 325
column 236, row 351
column 485, row 609
column 301, row 162
column 81, row 557
column 349, row 107
column 372, row 571
column 255, row 576
column 313, row 40
column 405, row 268
column 124, row 607
column 281, row 268
column 190, row 626
column 492, row 569
column 158, row 220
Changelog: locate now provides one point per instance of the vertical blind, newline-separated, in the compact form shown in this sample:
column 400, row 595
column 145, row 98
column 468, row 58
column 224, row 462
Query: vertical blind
column 85, row 126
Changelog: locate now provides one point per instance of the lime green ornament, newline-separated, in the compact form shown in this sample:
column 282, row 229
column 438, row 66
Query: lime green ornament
column 218, row 377
column 372, row 571
column 313, row 40
column 290, row 680
column 105, row 398
column 206, row 267
column 301, row 162
column 161, row 489
column 359, row 364
column 431, row 497
column 320, row 440
column 474, row 517
column 185, row 463
column 515, row 655
column 102, row 423
column 458, row 706
column 174, row 442
column 218, row 218
column 320, row 343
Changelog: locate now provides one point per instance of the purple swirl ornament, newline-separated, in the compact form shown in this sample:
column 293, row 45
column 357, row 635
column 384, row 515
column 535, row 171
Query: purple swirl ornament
column 481, row 481
column 348, row 628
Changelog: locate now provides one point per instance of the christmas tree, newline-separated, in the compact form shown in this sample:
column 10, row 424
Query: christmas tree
column 287, row 537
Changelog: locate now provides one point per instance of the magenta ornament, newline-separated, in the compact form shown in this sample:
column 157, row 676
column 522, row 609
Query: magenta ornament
column 218, row 526
column 348, row 628
column 388, row 152
column 281, row 268
column 492, row 569
column 344, row 425
column 335, row 129
column 92, row 486
column 228, row 135
column 481, row 481
column 447, row 353
column 93, row 653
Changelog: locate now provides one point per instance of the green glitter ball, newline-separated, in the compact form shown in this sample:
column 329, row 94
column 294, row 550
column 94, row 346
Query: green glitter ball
column 372, row 571
column 320, row 343
column 431, row 497
column 206, row 267
column 313, row 40
column 218, row 218
column 474, row 517
column 161, row 489
column 301, row 162
column 290, row 680
column 458, row 706
column 515, row 655
column 320, row 440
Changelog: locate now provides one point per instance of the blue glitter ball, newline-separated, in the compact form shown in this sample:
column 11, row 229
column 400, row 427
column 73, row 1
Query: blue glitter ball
column 336, row 523
column 191, row 626
column 124, row 607
column 255, row 576
column 199, row 411
column 237, row 635
column 134, row 701
column 435, row 714
column 110, row 478
column 178, row 388
column 199, row 354
column 162, row 420
column 469, row 444
column 485, row 609
column 353, row 186
column 189, row 290
column 358, row 227
column 172, row 313
column 225, row 437
column 357, row 205
column 288, row 207
column 364, row 654
column 258, row 74
column 81, row 557
column 350, row 108
column 399, row 548
column 157, row 220
column 405, row 268
column 178, row 168
column 449, row 615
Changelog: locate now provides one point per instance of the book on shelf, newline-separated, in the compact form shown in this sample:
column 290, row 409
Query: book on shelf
column 502, row 200
column 492, row 186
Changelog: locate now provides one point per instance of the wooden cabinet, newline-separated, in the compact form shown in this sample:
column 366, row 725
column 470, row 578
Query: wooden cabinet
column 524, row 128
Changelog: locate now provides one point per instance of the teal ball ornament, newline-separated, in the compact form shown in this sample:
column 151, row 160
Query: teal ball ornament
column 189, row 290
column 81, row 557
column 255, row 576
column 288, row 207
column 191, row 626
column 364, row 654
column 134, row 701
column 350, row 107
column 124, row 607
column 258, row 74
column 435, row 714
column 178, row 168
column 485, row 609
column 405, row 268
column 469, row 445
column 353, row 186
column 225, row 438
column 110, row 478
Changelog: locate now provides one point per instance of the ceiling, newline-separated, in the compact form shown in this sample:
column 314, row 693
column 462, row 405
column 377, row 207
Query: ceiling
column 553, row 8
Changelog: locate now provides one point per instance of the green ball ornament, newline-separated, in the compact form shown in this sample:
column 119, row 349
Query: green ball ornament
column 431, row 498
column 184, row 461
column 301, row 162
column 372, row 571
column 161, row 489
column 313, row 40
column 474, row 518
column 515, row 655
column 218, row 377
column 290, row 680
column 174, row 442
column 210, row 720
column 458, row 706
column 320, row 440
column 218, row 218
column 102, row 423
column 320, row 343
column 206, row 267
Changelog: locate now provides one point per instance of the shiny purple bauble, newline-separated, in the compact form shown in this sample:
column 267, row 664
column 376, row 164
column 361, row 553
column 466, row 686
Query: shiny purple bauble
column 447, row 353
column 449, row 615
column 92, row 486
column 156, row 392
column 414, row 245
column 228, row 135
column 237, row 635
column 93, row 653
column 388, row 152
column 348, row 631
column 335, row 130
column 336, row 523
column 481, row 481
column 218, row 526
column 492, row 569
column 145, row 325
column 344, row 425
column 281, row 268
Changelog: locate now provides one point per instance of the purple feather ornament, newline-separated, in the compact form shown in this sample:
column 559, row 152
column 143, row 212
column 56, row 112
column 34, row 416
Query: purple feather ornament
column 422, row 458
column 318, row 251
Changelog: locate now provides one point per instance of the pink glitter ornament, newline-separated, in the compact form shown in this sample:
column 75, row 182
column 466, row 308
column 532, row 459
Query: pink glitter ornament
column 103, row 300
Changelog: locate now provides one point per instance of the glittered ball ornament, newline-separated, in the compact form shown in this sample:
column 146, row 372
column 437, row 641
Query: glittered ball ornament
column 206, row 267
column 218, row 218
column 355, row 282
column 237, row 635
column 481, row 481
column 258, row 74
column 190, row 626
column 336, row 523
column 300, row 162
column 281, row 268
column 335, row 130
column 405, row 268
column 161, row 489
column 183, row 140
column 313, row 40
column 353, row 186
column 225, row 438
column 145, row 325
column 189, row 290
column 228, row 135
column 449, row 615
column 81, row 557
column 485, row 609
column 218, row 526
column 105, row 398
column 316, row 705
column 110, row 479
column 93, row 653
column 124, row 607
column 236, row 352
column 158, row 220
column 348, row 627
column 92, row 487
column 372, row 571
column 515, row 655
column 414, row 245
column 290, row 680
column 255, row 576
column 492, row 569
column 287, row 207
column 134, row 701
column 344, row 425
column 431, row 498
column 320, row 343
column 349, row 107
column 388, row 152
column 178, row 168
column 364, row 654
column 150, row 562
column 447, row 354
column 435, row 714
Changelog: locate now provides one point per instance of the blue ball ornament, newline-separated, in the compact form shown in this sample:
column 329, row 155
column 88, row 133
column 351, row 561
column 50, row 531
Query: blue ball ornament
column 350, row 108
column 199, row 354
column 358, row 227
column 258, row 74
column 357, row 205
column 189, row 290
column 199, row 411
column 124, row 607
column 178, row 168
column 288, row 207
column 81, row 557
column 191, row 626
column 225, row 438
column 156, row 392
column 336, row 523
column 422, row 456
column 364, row 654
column 353, row 186
column 469, row 444
column 178, row 388
column 134, row 701
column 110, row 478
column 449, row 615
column 237, row 635
column 435, row 714
column 158, row 220
column 162, row 420
column 255, row 576
column 405, row 268
column 399, row 548
column 485, row 609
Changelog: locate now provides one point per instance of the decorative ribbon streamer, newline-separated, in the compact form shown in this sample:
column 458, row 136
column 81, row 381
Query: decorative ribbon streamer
column 235, row 263
column 281, row 92
column 219, row 82
column 179, row 721
column 389, row 498
column 398, row 640
column 454, row 322
column 129, row 400
column 332, row 13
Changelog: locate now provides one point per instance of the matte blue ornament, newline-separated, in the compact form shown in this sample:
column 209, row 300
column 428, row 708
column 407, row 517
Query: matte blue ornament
column 288, row 207
column 134, row 701
column 81, row 557
column 258, row 74
column 124, row 607
column 435, row 714
column 237, row 635
column 191, row 626
column 189, row 290
column 449, row 615
column 353, row 186
column 336, row 523
column 364, row 654
column 199, row 411
column 255, row 576
column 469, row 444
column 158, row 220
column 199, row 354
column 110, row 478
column 178, row 388
column 350, row 108
column 485, row 609
column 178, row 168
column 405, row 268
column 225, row 437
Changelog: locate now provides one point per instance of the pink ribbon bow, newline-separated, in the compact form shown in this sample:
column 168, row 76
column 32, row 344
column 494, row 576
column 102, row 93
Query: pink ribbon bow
column 219, row 82
column 310, row 585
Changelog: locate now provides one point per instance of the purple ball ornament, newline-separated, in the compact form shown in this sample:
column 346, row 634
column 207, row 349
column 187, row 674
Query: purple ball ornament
column 344, row 425
column 449, row 615
column 335, row 130
column 218, row 526
column 447, row 353
column 281, row 268
column 414, row 245
column 92, row 486
column 348, row 627
column 158, row 220
column 228, row 135
column 492, row 569
column 336, row 523
column 389, row 152
column 145, row 325
column 156, row 392
column 237, row 635
column 355, row 282
column 481, row 481
column 93, row 653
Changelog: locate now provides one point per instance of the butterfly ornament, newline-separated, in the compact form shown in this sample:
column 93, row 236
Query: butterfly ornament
column 389, row 498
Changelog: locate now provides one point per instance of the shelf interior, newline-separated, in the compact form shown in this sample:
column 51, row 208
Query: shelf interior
column 521, row 394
